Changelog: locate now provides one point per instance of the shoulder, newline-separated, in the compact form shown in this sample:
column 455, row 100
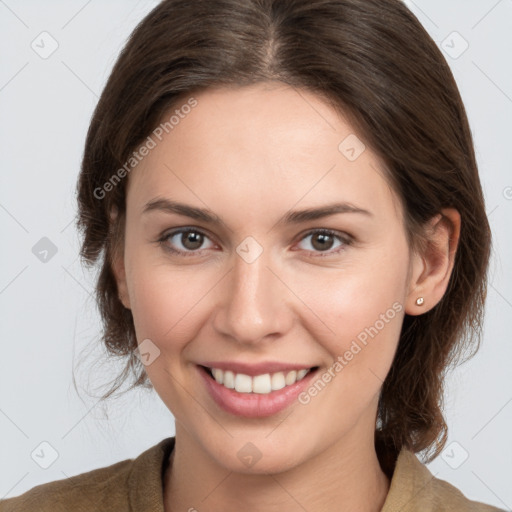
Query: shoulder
column 95, row 490
column 413, row 487
column 447, row 497
column 114, row 488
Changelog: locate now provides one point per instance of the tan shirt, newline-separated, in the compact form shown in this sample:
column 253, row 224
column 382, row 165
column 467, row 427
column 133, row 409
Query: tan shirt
column 136, row 485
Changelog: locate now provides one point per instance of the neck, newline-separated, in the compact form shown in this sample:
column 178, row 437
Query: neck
column 347, row 476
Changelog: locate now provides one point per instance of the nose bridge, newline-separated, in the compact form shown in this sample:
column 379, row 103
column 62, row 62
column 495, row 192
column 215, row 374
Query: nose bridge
column 255, row 303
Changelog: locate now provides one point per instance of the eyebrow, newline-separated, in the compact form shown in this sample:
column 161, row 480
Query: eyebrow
column 292, row 217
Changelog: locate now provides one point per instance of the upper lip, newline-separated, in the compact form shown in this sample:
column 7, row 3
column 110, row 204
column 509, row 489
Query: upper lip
column 253, row 369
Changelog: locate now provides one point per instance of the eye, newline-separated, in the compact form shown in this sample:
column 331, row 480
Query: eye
column 323, row 239
column 190, row 239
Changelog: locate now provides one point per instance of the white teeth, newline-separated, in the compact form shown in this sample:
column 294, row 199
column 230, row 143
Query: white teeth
column 301, row 374
column 278, row 381
column 218, row 375
column 262, row 384
column 243, row 383
column 229, row 379
column 291, row 377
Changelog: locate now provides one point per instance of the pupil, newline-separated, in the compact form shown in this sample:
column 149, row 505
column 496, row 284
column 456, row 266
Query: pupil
column 323, row 237
column 189, row 241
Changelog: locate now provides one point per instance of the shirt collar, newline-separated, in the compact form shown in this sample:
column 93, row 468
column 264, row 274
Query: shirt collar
column 411, row 486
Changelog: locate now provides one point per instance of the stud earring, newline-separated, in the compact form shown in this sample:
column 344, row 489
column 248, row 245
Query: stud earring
column 419, row 301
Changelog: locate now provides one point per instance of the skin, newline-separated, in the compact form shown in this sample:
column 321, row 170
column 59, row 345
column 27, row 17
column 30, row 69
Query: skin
column 250, row 155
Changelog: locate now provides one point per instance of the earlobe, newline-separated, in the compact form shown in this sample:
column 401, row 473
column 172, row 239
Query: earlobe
column 431, row 271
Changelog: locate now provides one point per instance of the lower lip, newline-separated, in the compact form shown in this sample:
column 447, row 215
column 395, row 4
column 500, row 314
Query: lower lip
column 254, row 405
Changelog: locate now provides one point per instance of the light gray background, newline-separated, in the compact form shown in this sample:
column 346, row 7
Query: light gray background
column 49, row 320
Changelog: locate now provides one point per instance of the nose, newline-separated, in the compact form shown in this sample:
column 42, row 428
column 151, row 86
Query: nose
column 255, row 303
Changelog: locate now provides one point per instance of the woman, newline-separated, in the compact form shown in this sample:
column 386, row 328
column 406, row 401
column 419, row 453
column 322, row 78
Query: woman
column 284, row 198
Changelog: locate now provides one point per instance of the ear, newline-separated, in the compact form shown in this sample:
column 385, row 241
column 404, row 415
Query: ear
column 430, row 271
column 118, row 266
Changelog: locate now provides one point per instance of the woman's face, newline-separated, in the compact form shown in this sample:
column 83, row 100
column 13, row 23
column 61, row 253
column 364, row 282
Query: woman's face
column 260, row 286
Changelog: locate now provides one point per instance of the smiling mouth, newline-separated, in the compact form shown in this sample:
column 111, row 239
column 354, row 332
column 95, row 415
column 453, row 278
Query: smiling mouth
column 259, row 384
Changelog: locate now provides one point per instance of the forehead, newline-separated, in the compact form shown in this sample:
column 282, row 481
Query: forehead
column 267, row 144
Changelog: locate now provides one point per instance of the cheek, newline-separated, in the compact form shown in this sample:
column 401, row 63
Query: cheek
column 167, row 302
column 364, row 327
column 359, row 311
column 359, row 293
column 365, row 312
column 163, row 301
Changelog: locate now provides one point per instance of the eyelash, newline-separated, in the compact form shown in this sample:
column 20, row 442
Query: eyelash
column 346, row 240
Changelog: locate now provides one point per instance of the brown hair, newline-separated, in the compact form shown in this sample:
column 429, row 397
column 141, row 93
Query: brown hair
column 372, row 60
